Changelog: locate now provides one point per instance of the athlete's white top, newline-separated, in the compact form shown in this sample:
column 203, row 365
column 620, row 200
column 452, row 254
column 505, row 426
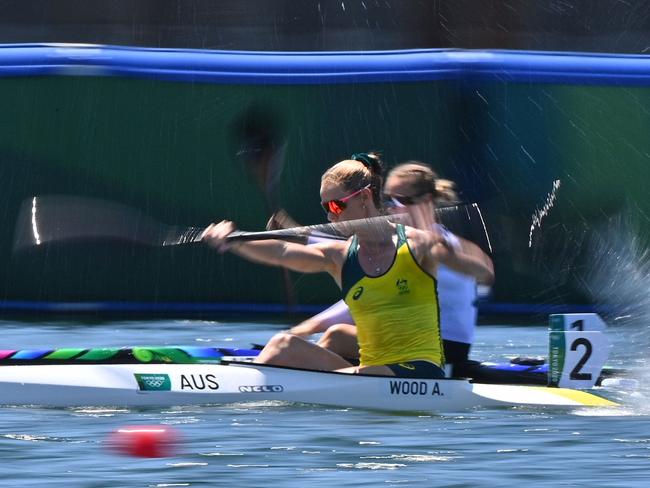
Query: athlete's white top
column 456, row 296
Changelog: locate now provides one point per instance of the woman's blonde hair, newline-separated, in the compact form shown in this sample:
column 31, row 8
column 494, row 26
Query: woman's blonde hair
column 425, row 180
column 360, row 170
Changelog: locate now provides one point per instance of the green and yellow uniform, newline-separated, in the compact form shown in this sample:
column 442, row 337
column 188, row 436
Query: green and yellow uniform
column 396, row 313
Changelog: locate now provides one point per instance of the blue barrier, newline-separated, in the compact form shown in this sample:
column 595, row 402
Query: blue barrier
column 323, row 67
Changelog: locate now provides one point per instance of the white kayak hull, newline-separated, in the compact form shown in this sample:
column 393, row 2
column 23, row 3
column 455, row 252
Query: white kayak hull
column 141, row 385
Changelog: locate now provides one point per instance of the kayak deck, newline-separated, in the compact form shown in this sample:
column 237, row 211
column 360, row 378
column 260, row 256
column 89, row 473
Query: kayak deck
column 525, row 371
column 122, row 355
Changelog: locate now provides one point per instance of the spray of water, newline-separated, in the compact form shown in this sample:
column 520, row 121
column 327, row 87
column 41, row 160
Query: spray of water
column 618, row 275
column 617, row 279
column 539, row 214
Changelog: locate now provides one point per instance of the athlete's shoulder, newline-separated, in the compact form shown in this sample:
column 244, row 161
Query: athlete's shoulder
column 333, row 249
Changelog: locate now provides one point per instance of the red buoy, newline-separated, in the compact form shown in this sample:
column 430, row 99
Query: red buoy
column 152, row 441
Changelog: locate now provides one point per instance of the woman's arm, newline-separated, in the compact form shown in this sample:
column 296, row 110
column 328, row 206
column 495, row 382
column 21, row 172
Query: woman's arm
column 324, row 257
column 471, row 249
column 434, row 247
column 339, row 313
column 467, row 258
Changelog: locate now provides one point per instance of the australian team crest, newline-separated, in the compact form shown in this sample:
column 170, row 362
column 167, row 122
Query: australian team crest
column 402, row 286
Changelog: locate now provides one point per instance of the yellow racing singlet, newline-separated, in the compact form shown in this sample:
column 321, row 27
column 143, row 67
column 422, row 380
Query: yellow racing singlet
column 396, row 313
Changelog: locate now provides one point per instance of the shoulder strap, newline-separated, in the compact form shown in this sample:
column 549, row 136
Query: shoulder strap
column 401, row 235
column 351, row 272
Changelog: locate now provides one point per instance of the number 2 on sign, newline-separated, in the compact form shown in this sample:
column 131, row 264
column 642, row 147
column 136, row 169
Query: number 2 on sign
column 575, row 372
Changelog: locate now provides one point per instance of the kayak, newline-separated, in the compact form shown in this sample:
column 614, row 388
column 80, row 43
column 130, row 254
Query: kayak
column 190, row 375
column 165, row 384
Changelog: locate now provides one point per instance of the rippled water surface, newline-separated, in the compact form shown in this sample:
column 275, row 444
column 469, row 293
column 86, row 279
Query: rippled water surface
column 297, row 446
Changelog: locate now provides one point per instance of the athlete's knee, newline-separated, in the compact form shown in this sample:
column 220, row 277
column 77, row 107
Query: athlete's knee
column 282, row 341
column 337, row 336
column 277, row 348
column 329, row 336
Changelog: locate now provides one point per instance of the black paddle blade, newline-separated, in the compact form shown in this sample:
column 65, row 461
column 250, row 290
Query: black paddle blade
column 466, row 221
column 55, row 218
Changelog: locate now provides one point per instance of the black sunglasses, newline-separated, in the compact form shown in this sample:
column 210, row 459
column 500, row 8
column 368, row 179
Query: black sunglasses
column 401, row 201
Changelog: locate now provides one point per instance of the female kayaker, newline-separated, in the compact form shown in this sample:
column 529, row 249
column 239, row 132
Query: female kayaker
column 386, row 273
column 414, row 184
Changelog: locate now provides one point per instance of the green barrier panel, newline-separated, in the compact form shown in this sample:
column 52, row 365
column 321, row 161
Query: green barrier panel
column 594, row 139
column 167, row 148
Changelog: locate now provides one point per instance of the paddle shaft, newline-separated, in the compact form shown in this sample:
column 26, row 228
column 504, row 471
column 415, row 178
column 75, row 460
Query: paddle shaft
column 56, row 218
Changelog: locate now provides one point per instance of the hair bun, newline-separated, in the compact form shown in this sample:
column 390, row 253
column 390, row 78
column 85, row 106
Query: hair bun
column 446, row 191
column 370, row 160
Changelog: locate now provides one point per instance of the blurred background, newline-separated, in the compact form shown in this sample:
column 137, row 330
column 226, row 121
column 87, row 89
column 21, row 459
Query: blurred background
column 179, row 148
column 607, row 26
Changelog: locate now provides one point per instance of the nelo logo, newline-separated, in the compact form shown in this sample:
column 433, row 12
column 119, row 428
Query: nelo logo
column 261, row 389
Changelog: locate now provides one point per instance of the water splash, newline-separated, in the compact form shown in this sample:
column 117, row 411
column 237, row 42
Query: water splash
column 618, row 275
column 617, row 279
column 539, row 214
